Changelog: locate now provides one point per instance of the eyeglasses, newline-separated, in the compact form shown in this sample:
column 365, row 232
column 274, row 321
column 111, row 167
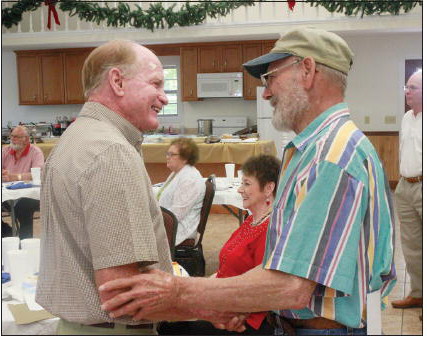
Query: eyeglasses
column 170, row 154
column 17, row 136
column 264, row 77
column 410, row 88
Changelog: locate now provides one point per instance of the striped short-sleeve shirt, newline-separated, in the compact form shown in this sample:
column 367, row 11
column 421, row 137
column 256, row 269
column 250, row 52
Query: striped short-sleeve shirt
column 98, row 211
column 332, row 219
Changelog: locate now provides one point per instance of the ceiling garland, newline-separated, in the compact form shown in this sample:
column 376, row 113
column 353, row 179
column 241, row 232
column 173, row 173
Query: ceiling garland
column 190, row 13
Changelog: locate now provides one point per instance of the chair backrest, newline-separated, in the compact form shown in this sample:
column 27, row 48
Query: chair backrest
column 171, row 225
column 206, row 207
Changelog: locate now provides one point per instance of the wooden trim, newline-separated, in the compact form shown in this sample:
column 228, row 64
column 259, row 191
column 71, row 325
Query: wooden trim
column 50, row 51
column 158, row 49
column 164, row 50
column 382, row 133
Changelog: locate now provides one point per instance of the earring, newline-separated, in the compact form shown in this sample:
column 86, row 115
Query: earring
column 267, row 201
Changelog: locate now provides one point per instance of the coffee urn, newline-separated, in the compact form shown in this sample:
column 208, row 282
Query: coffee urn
column 204, row 127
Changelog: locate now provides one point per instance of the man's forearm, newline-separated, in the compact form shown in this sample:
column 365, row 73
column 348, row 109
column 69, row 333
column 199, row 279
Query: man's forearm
column 257, row 290
column 254, row 291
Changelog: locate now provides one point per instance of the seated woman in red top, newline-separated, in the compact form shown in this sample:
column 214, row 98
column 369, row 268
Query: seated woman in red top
column 245, row 248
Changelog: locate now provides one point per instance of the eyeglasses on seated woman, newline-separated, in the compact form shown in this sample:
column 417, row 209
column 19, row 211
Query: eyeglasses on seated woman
column 183, row 191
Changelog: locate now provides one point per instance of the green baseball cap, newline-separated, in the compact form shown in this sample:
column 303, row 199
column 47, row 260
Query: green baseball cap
column 325, row 47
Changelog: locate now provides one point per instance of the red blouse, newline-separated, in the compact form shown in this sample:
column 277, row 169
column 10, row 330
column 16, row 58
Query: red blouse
column 242, row 252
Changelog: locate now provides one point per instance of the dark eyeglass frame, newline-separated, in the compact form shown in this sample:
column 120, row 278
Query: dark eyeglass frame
column 410, row 88
column 170, row 154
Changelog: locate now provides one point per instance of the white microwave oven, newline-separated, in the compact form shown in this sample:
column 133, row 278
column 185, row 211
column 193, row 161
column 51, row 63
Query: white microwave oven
column 220, row 85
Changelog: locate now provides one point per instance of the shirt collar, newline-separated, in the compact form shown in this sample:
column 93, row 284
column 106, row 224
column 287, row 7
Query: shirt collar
column 100, row 112
column 23, row 154
column 325, row 119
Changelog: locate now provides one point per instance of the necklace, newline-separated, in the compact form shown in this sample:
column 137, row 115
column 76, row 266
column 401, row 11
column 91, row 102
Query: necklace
column 260, row 220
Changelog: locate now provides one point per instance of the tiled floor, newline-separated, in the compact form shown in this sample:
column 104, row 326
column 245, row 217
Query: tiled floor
column 394, row 321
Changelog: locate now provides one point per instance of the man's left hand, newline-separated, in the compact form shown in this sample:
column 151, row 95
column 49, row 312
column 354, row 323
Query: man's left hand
column 154, row 291
column 236, row 324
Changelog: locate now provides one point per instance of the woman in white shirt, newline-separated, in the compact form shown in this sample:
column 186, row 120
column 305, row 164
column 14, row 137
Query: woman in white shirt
column 184, row 189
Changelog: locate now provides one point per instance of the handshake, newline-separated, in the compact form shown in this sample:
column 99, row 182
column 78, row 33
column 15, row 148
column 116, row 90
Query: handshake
column 156, row 295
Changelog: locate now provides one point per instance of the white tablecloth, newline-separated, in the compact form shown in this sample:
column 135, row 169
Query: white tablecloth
column 225, row 193
column 6, row 194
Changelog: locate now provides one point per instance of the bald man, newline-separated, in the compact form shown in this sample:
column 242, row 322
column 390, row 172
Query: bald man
column 17, row 160
column 100, row 218
column 409, row 200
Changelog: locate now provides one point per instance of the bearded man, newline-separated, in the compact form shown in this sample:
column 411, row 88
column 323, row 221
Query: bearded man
column 330, row 238
column 17, row 159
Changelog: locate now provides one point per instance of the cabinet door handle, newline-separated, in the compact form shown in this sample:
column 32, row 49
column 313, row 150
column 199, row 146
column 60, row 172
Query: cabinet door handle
column 225, row 64
column 34, row 97
column 213, row 63
column 191, row 92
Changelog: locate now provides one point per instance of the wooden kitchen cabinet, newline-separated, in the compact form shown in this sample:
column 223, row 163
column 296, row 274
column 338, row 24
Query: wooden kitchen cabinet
column 220, row 59
column 40, row 79
column 209, row 59
column 267, row 46
column 232, row 58
column 29, row 81
column 188, row 73
column 52, row 75
column 250, row 51
column 73, row 64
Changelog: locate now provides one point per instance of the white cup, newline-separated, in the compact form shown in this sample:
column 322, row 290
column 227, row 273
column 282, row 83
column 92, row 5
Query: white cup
column 240, row 175
column 33, row 248
column 35, row 174
column 20, row 268
column 229, row 172
column 8, row 244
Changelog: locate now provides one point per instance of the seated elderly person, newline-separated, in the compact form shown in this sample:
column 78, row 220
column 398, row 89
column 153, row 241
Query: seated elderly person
column 245, row 248
column 17, row 159
column 184, row 189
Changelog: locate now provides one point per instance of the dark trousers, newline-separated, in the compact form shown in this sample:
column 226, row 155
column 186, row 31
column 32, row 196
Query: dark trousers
column 206, row 328
column 24, row 211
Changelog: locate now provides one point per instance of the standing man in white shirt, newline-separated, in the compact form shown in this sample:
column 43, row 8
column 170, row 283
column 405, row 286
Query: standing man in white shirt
column 409, row 191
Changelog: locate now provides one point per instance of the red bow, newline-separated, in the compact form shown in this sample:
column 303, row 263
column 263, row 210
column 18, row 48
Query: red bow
column 52, row 10
column 291, row 4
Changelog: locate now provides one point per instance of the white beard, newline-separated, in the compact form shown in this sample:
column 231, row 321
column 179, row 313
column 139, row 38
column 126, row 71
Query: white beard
column 16, row 147
column 289, row 105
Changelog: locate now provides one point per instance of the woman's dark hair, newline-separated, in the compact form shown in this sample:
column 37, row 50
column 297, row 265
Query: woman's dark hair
column 188, row 150
column 265, row 168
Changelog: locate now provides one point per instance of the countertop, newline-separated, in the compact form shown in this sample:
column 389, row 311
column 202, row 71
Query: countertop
column 236, row 152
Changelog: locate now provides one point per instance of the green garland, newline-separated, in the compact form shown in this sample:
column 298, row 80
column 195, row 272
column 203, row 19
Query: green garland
column 190, row 13
column 354, row 7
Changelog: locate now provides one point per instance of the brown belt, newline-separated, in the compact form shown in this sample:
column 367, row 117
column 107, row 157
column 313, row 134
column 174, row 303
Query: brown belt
column 133, row 327
column 414, row 180
column 315, row 323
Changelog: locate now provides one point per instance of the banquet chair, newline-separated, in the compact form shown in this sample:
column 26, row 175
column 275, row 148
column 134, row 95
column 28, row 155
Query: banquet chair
column 171, row 225
column 189, row 254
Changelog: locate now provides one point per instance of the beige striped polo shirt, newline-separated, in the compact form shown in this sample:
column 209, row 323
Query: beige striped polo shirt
column 97, row 211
